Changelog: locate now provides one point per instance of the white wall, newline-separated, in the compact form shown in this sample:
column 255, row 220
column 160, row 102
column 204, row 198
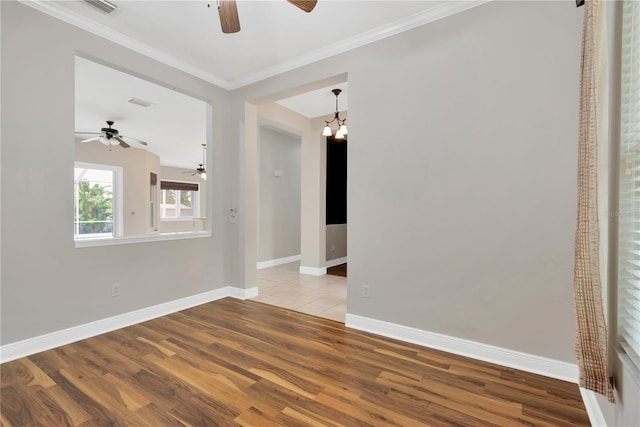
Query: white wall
column 48, row 284
column 462, row 217
column 279, row 226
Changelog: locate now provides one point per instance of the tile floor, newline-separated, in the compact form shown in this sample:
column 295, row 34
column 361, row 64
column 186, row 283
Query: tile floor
column 283, row 286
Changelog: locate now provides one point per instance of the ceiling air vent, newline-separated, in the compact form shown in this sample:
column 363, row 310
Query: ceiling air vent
column 103, row 5
column 140, row 102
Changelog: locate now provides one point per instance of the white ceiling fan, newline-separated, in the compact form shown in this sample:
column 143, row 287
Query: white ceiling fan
column 111, row 137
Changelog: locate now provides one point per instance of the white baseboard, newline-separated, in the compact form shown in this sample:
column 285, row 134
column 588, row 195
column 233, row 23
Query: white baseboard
column 273, row 262
column 336, row 261
column 51, row 340
column 240, row 293
column 596, row 417
column 488, row 353
column 313, row 271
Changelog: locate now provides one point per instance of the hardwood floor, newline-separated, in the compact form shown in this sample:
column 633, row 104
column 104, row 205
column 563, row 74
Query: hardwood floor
column 233, row 362
column 338, row 270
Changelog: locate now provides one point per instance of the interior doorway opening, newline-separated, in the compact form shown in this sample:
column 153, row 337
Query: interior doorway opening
column 307, row 288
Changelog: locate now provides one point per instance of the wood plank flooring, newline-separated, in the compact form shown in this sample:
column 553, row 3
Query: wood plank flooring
column 232, row 362
column 338, row 270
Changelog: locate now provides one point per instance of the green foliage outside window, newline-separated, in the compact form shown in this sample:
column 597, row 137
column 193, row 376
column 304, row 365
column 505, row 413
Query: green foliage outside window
column 95, row 208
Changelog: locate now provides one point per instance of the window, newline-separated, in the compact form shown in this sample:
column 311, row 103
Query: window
column 179, row 200
column 629, row 189
column 96, row 200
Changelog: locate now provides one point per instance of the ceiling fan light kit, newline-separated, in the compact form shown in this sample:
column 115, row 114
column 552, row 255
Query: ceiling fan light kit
column 200, row 170
column 342, row 130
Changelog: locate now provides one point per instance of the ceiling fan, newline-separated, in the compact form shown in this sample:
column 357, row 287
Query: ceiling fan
column 110, row 137
column 228, row 12
column 200, row 170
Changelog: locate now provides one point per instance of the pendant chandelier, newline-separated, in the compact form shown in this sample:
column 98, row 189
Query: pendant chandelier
column 342, row 123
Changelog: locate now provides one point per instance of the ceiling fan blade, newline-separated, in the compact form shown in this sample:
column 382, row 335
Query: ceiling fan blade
column 306, row 5
column 228, row 11
column 137, row 141
column 121, row 141
column 90, row 139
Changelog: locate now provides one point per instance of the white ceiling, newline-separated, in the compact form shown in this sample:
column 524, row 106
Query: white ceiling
column 319, row 102
column 174, row 125
column 275, row 37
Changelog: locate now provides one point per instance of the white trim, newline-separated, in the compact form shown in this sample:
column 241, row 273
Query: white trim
column 240, row 293
column 336, row 261
column 596, row 417
column 278, row 261
column 111, row 241
column 51, row 340
column 442, row 11
column 501, row 356
column 313, row 271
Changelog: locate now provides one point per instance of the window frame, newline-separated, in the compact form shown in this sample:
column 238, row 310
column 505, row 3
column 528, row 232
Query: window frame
column 116, row 200
column 195, row 202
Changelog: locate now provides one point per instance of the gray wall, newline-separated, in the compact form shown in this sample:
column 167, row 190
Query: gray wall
column 467, row 224
column 48, row 284
column 279, row 227
column 336, row 241
column 462, row 217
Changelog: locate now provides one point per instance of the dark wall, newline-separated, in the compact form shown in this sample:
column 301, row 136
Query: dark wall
column 336, row 181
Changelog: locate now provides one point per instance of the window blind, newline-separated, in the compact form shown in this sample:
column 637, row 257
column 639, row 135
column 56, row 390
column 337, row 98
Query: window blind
column 629, row 197
column 173, row 185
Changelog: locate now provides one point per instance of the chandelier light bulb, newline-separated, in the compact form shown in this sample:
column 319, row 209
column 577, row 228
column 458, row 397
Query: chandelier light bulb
column 343, row 129
column 203, row 175
column 326, row 131
column 339, row 135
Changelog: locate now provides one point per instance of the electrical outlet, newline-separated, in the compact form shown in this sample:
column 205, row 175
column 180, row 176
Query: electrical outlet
column 115, row 290
column 366, row 291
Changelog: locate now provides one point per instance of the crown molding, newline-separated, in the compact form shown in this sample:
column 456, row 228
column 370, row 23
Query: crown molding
column 52, row 9
column 439, row 12
column 434, row 14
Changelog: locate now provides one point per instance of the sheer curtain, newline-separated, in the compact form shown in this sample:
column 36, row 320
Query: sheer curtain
column 592, row 337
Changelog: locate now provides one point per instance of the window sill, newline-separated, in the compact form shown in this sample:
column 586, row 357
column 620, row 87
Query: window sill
column 113, row 241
